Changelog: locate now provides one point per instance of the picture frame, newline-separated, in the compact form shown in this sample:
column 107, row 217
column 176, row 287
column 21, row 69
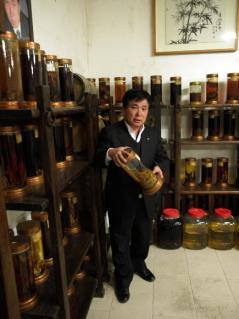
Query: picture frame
column 186, row 27
column 9, row 18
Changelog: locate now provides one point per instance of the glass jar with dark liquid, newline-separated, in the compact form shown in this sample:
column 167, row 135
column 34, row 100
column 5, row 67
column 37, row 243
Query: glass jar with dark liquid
column 212, row 89
column 59, row 141
column 197, row 125
column 214, row 124
column 170, row 229
column 53, row 78
column 222, row 227
column 104, row 91
column 66, row 81
column 12, row 159
column 175, row 90
column 229, row 122
column 23, row 267
column 10, row 79
column 232, row 88
column 195, row 229
column 222, row 171
column 120, row 88
column 156, row 88
column 44, row 67
column 138, row 83
column 207, row 165
column 190, row 171
column 68, row 137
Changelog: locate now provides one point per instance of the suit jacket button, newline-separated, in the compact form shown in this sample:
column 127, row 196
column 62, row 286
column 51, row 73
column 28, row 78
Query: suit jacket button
column 140, row 196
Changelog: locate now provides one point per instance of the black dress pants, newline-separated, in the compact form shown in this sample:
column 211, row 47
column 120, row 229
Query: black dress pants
column 129, row 237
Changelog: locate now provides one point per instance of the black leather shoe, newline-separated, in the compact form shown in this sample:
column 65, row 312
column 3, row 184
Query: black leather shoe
column 122, row 294
column 145, row 274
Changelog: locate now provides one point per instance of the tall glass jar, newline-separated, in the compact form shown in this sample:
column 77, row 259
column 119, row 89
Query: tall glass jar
column 12, row 159
column 104, row 91
column 10, row 79
column 42, row 217
column 197, row 125
column 68, row 137
column 31, row 66
column 195, row 93
column 32, row 230
column 195, row 229
column 229, row 124
column 222, row 227
column 156, row 88
column 207, row 166
column 66, row 81
column 212, row 89
column 23, row 267
column 59, row 142
column 170, row 229
column 138, row 83
column 214, row 124
column 232, row 88
column 175, row 90
column 53, row 78
column 222, row 171
column 70, row 212
column 44, row 67
column 30, row 141
column 190, row 171
column 120, row 88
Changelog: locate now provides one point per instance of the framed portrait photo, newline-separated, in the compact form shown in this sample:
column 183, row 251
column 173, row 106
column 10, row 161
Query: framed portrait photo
column 16, row 16
column 195, row 26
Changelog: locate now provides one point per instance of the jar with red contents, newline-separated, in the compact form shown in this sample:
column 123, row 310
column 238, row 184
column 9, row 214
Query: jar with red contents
column 170, row 229
column 232, row 88
column 195, row 229
column 222, row 227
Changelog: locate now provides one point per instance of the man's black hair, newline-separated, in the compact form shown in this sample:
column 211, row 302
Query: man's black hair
column 135, row 95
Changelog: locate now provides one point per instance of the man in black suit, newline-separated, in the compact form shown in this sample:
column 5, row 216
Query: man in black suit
column 129, row 209
column 16, row 21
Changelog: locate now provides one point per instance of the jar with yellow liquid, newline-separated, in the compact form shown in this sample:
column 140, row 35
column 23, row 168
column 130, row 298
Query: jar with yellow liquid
column 195, row 229
column 222, row 227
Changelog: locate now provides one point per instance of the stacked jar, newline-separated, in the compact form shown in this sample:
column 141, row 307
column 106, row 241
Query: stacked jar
column 104, row 91
column 212, row 89
column 53, row 78
column 156, row 88
column 138, row 83
column 175, row 90
column 232, row 88
column 66, row 82
column 120, row 88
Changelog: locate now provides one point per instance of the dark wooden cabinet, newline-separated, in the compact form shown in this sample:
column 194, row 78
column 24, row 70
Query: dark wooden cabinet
column 81, row 174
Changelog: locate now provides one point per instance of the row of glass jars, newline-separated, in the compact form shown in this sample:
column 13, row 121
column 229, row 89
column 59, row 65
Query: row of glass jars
column 24, row 67
column 196, row 231
column 206, row 171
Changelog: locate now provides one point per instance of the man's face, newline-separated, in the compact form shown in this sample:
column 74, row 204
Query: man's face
column 12, row 8
column 135, row 114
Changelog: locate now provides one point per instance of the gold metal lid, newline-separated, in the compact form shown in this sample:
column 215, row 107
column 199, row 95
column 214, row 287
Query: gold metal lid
column 175, row 78
column 7, row 35
column 57, row 104
column 28, row 228
column 9, row 104
column 50, row 57
column 104, row 79
column 10, row 129
column 196, row 83
column 158, row 77
column 19, row 244
column 26, row 44
column 137, row 77
column 233, row 74
column 63, row 61
column 212, row 75
column 28, row 105
column 117, row 78
column 40, row 216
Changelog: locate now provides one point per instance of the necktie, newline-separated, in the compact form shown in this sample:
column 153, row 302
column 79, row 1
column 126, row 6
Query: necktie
column 18, row 33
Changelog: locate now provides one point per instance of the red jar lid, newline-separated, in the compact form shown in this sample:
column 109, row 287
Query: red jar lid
column 171, row 212
column 196, row 212
column 223, row 212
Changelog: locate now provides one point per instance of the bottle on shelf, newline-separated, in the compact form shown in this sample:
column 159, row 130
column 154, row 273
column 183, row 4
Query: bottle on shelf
column 232, row 88
column 70, row 212
column 53, row 77
column 229, row 123
column 196, row 93
column 156, row 87
column 197, row 125
column 175, row 90
column 222, row 171
column 214, row 124
column 138, row 82
column 190, row 171
column 66, row 82
column 212, row 89
column 120, row 88
column 104, row 91
column 206, row 172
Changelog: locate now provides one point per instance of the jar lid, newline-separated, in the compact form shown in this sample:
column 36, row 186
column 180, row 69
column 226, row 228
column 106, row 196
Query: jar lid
column 19, row 244
column 56, row 104
column 137, row 77
column 28, row 228
column 50, row 57
column 104, row 79
column 28, row 105
column 223, row 212
column 196, row 83
column 174, row 78
column 63, row 61
column 212, row 75
column 9, row 104
column 196, row 212
column 222, row 159
column 10, row 129
column 171, row 212
column 26, row 44
column 120, row 78
column 156, row 77
column 233, row 74
column 40, row 216
column 7, row 35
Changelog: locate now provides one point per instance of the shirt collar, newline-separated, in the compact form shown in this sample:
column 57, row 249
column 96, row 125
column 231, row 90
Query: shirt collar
column 137, row 137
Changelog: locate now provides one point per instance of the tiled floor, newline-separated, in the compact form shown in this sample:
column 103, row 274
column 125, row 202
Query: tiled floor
column 190, row 284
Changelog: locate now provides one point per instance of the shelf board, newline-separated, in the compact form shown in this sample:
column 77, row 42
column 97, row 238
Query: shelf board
column 19, row 114
column 190, row 141
column 208, row 106
column 81, row 300
column 29, row 203
column 66, row 111
column 75, row 250
column 201, row 190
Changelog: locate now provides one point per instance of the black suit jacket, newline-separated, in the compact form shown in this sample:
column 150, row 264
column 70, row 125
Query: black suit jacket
column 121, row 190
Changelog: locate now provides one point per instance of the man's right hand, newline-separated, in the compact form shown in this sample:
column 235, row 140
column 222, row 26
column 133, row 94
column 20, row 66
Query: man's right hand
column 118, row 155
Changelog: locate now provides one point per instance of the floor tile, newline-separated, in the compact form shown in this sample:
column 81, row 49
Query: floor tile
column 103, row 304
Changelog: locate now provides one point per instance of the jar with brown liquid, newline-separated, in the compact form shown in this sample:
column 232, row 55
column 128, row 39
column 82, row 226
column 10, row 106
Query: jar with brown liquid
column 59, row 142
column 195, row 229
column 222, row 227
column 214, row 124
column 137, row 83
column 70, row 212
column 190, row 171
column 197, row 125
column 156, row 88
column 31, row 66
column 66, row 80
column 23, row 267
column 12, row 159
column 44, row 67
column 222, row 171
column 175, row 90
column 10, row 79
column 120, row 88
column 232, row 88
column 32, row 230
column 207, row 166
column 53, row 77
column 104, row 91
column 212, row 89
column 196, row 93
column 229, row 123
column 68, row 137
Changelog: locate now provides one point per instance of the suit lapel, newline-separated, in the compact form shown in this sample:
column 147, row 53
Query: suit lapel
column 145, row 144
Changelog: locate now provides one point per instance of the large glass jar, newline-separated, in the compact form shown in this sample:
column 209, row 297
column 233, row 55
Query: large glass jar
column 214, row 124
column 30, row 57
column 222, row 171
column 207, row 165
column 70, row 212
column 222, row 227
column 212, row 89
column 66, row 81
column 156, row 88
column 195, row 93
column 175, row 90
column 23, row 267
column 10, row 79
column 197, row 125
column 30, row 140
column 104, row 91
column 229, row 124
column 44, row 67
column 138, row 83
column 53, row 77
column 195, row 229
column 170, row 229
column 32, row 230
column 232, row 88
column 59, row 142
column 68, row 137
column 12, row 160
column 120, row 88
column 190, row 171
